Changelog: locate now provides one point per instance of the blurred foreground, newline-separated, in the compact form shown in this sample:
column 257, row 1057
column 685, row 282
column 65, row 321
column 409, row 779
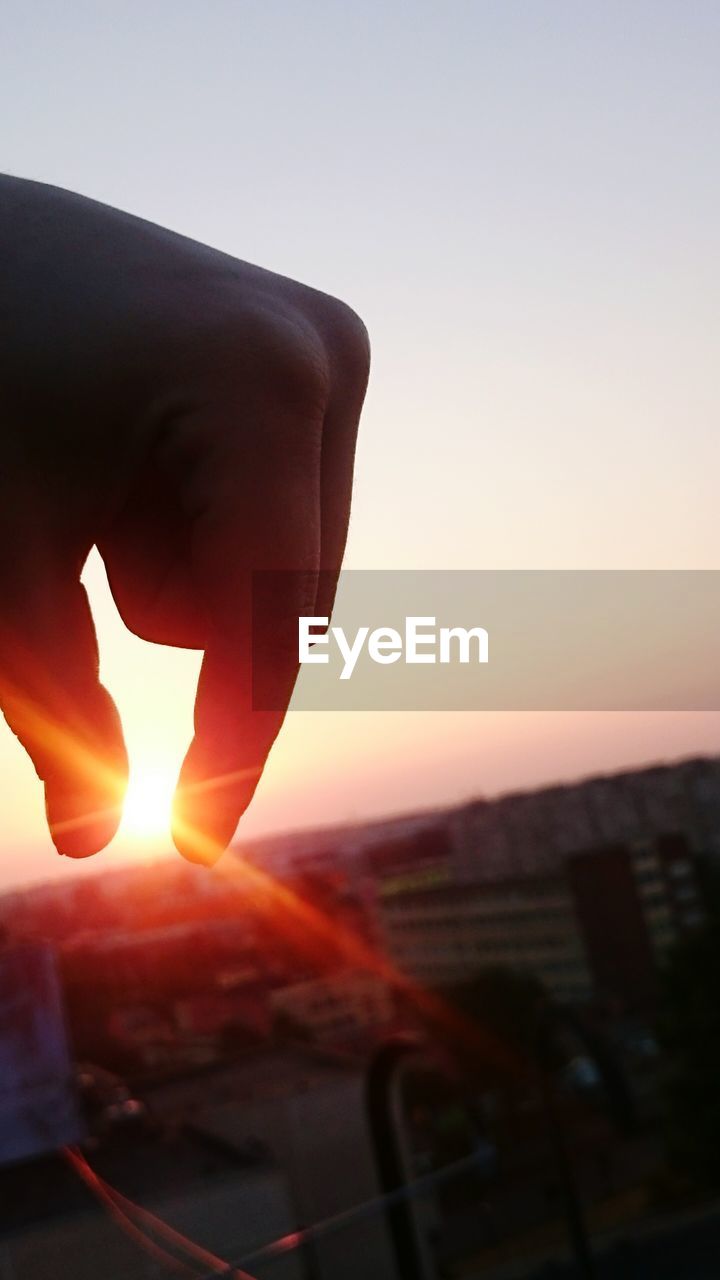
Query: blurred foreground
column 508, row 1009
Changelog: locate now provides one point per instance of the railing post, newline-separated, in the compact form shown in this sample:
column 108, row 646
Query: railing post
column 383, row 1101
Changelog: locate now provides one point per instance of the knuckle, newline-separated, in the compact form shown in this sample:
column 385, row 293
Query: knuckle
column 292, row 360
column 349, row 340
column 258, row 347
column 298, row 349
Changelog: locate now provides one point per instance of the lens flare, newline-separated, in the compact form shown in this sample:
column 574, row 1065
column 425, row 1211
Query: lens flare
column 146, row 813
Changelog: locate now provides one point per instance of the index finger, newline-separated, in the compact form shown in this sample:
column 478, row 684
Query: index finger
column 254, row 469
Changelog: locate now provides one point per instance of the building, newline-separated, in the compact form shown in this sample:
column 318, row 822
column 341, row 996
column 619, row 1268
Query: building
column 443, row 930
column 586, row 886
column 336, row 1008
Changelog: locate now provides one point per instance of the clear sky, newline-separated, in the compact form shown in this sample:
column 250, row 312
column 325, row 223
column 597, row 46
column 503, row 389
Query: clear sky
column 522, row 200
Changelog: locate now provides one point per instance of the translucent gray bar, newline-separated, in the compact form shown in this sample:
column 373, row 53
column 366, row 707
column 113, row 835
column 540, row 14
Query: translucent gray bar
column 612, row 640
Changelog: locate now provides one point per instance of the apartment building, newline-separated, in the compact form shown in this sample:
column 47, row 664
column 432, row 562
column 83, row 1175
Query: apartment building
column 586, row 886
column 445, row 934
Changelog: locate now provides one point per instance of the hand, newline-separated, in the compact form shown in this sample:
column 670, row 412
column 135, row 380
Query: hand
column 195, row 418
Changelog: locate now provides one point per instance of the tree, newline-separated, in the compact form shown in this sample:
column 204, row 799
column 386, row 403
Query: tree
column 507, row 1002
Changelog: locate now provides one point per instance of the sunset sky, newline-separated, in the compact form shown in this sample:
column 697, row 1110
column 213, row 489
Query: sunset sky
column 523, row 202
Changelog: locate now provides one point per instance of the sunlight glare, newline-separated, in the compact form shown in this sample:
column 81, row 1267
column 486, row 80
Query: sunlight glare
column 146, row 812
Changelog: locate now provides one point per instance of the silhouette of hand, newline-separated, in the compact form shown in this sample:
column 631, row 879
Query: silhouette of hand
column 195, row 418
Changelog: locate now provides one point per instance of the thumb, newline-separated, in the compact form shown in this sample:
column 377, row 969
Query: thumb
column 52, row 699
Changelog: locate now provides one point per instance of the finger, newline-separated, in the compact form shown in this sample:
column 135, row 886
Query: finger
column 349, row 340
column 53, row 701
column 256, row 489
column 146, row 551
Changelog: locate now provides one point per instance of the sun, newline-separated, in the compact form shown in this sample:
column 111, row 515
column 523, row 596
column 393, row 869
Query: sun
column 148, row 800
